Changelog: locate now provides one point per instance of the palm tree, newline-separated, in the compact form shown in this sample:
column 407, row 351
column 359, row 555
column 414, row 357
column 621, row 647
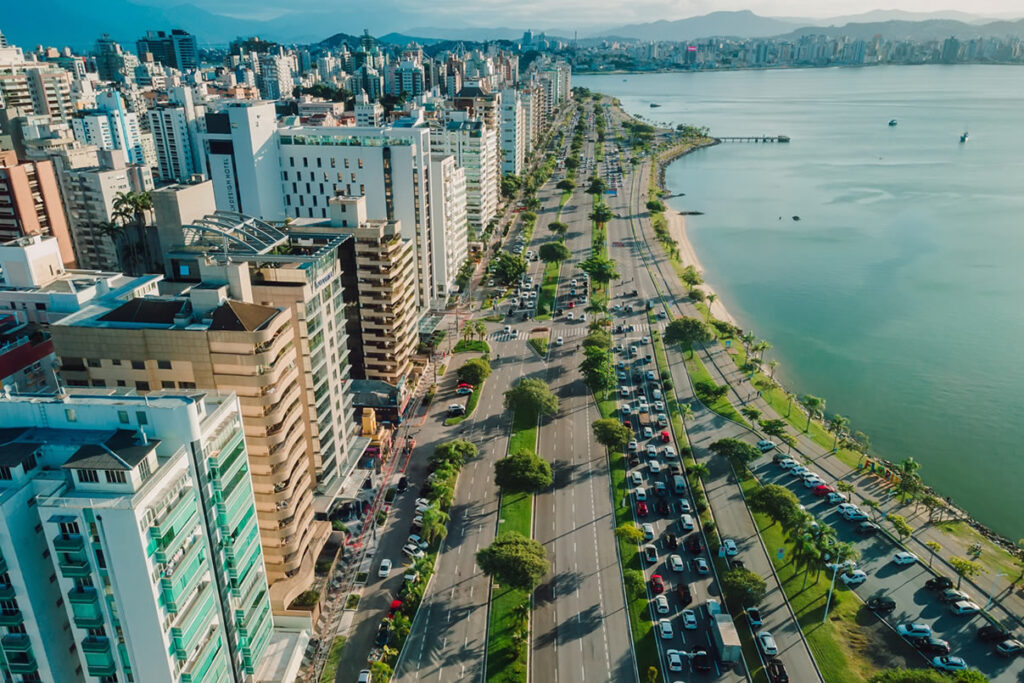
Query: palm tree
column 685, row 412
column 435, row 524
column 132, row 209
column 748, row 340
column 700, row 470
column 751, row 413
column 481, row 329
column 814, row 405
column 806, row 555
column 772, row 364
column 790, row 397
column 711, row 300
column 935, row 547
column 838, row 426
column 761, row 347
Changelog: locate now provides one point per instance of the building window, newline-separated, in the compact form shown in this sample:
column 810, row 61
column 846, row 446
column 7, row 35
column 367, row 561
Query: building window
column 186, row 385
column 141, row 417
column 121, row 383
column 115, row 476
column 99, row 383
column 164, row 364
column 167, row 385
column 142, row 386
column 88, row 476
column 138, row 365
column 362, row 189
column 346, row 163
column 291, row 161
column 117, row 361
column 284, row 175
column 40, row 307
column 298, row 175
column 360, row 162
column 144, row 470
column 92, row 362
column 319, row 162
column 122, row 416
column 288, row 200
column 5, row 473
column 334, row 162
column 305, row 162
column 70, row 415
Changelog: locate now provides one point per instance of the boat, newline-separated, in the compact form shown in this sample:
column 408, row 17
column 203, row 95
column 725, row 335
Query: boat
column 654, row 104
column 963, row 138
column 893, row 122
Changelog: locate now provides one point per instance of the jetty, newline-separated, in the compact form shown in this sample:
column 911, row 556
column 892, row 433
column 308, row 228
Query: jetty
column 754, row 138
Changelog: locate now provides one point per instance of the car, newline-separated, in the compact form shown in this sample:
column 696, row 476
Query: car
column 952, row 595
column 730, row 547
column 650, row 376
column 675, row 660
column 823, row 490
column 413, row 551
column 657, row 583
column 624, row 390
column 622, row 376
column 683, row 593
column 559, row 341
column 636, row 478
column 583, row 316
column 964, row 607
column 647, row 433
column 835, row 497
column 671, row 540
column 383, row 634
column 651, row 553
column 508, row 328
column 648, row 530
column 992, row 633
column 753, row 617
column 798, row 471
column 855, row 516
column 384, row 569
column 661, row 506
column 764, row 445
column 786, row 463
column 641, row 509
column 854, row 578
column 669, row 453
column 843, row 508
column 633, row 445
column 701, row 661
column 462, row 391
column 939, row 583
column 914, row 630
column 684, row 506
column 571, row 315
column 882, row 604
column 418, row 542
column 930, row 645
column 417, row 520
column 456, row 409
column 777, row 671
column 652, row 451
column 403, row 484
column 640, row 493
column 689, row 619
column 665, row 436
column 1010, row 648
column 661, row 604
column 701, row 565
column 655, row 468
column 903, row 557
column 646, row 340
column 364, row 676
column 766, row 641
column 659, row 406
column 694, row 544
column 813, row 481
column 868, row 528
column 949, row 663
column 676, row 563
column 665, row 629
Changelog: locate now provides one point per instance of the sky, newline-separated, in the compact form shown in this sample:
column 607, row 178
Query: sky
column 570, row 13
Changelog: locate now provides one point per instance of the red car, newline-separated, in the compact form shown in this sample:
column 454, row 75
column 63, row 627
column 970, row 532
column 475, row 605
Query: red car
column 657, row 583
column 823, row 490
column 641, row 509
column 572, row 304
column 665, row 437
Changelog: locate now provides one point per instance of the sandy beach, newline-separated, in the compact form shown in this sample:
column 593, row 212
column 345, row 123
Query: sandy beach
column 677, row 229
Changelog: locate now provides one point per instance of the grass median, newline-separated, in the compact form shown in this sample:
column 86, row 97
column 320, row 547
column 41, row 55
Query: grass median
column 548, row 289
column 333, row 659
column 698, row 373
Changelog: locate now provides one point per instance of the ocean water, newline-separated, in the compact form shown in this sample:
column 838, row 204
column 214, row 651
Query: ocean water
column 899, row 295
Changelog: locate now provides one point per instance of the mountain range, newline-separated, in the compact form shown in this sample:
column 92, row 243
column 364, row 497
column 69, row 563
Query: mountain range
column 78, row 24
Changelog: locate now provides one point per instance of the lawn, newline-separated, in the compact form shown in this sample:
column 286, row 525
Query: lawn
column 333, row 658
column 698, row 373
column 472, row 346
column 993, row 558
column 671, row 402
column 506, row 653
column 474, row 398
column 540, row 345
column 548, row 290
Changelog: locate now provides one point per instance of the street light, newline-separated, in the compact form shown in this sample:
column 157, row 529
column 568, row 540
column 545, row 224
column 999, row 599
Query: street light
column 831, row 588
column 992, row 595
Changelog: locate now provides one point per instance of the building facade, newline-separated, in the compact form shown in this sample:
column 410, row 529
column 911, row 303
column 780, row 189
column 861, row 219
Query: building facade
column 450, row 221
column 475, row 148
column 30, row 204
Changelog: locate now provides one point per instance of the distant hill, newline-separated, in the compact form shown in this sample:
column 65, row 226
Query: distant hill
column 742, row 24
column 934, row 29
column 880, row 15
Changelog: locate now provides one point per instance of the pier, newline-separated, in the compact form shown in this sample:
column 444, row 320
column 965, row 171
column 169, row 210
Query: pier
column 755, row 138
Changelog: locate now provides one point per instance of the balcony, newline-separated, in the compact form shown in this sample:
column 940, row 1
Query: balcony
column 83, row 596
column 16, row 642
column 74, row 568
column 22, row 664
column 96, row 644
column 101, row 669
column 11, row 617
column 69, row 543
column 6, row 591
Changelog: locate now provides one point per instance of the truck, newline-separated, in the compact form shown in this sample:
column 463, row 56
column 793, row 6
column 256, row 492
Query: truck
column 727, row 641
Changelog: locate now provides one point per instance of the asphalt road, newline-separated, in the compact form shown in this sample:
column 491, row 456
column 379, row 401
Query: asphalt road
column 579, row 626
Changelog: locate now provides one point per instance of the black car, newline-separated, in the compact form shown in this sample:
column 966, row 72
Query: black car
column 693, row 544
column 702, row 661
column 867, row 528
column 383, row 634
column 882, row 605
column 993, row 634
column 930, row 645
column 662, row 507
column 939, row 583
column 403, row 485
column 672, row 541
column 634, row 461
column 777, row 671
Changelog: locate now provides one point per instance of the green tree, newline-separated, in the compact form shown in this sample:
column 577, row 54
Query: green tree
column 598, row 370
column 774, row 427
column 838, row 425
column 748, row 588
column 474, row 371
column 685, row 412
column 550, row 252
column 435, row 524
column 597, row 186
column 514, row 560
column 806, row 555
column 652, row 675
column 531, row 395
column 934, row 547
column 132, row 210
column 790, row 397
column 456, row 453
column 688, row 331
column 532, row 203
column 778, row 502
column 739, row 453
column 772, row 364
column 599, row 338
column 522, row 472
column 601, row 214
column 508, row 267
column 751, row 413
column 700, row 470
column 558, row 228
column 709, row 392
column 655, row 206
column 601, row 269
column 964, row 569
column 611, row 433
column 629, row 533
column 636, row 585
column 510, row 185
column 566, row 185
column 901, row 527
column 815, row 406
column 691, row 276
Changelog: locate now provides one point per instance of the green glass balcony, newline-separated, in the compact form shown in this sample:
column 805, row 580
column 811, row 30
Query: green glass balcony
column 11, row 617
column 23, row 663
column 74, row 568
column 69, row 543
column 6, row 591
column 96, row 644
column 102, row 669
column 83, row 595
column 16, row 642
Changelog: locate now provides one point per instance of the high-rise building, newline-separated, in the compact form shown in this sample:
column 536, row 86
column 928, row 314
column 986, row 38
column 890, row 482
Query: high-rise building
column 368, row 114
column 475, row 148
column 210, row 338
column 129, row 541
column 389, row 166
column 111, row 126
column 275, row 77
column 28, row 88
column 178, row 49
column 450, row 222
column 176, row 137
column 30, row 203
column 513, row 132
column 243, row 160
column 110, row 59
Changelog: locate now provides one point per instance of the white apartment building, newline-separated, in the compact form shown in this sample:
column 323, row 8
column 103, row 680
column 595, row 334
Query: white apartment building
column 275, row 77
column 513, row 132
column 450, row 222
column 111, row 126
column 368, row 114
column 389, row 166
column 128, row 539
column 34, row 88
column 176, row 138
column 475, row 148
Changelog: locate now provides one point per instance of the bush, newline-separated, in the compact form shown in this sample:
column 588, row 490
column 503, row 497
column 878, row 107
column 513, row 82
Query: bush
column 338, row 525
column 308, row 599
column 635, row 585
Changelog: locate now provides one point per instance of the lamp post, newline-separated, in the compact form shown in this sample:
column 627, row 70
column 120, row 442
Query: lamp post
column 992, row 595
column 831, row 588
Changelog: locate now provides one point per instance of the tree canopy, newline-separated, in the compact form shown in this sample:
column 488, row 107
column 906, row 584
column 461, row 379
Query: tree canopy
column 508, row 267
column 778, row 502
column 522, row 472
column 602, row 269
column 553, row 251
column 611, row 433
column 514, row 560
column 687, row 332
column 532, row 395
column 474, row 371
column 598, row 370
column 735, row 450
column 455, row 452
column 747, row 586
column 558, row 227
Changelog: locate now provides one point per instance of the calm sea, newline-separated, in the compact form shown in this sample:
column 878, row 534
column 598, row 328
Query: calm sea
column 899, row 295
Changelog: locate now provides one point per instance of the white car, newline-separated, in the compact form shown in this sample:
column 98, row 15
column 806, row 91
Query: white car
column 646, row 340
column 812, row 481
column 364, row 676
column 854, row 578
column 855, row 515
column 786, row 463
column 766, row 641
column 730, row 547
column 659, row 407
column 903, row 557
column 650, row 553
column 633, row 445
column 684, row 506
column 648, row 530
column 834, row 497
column 559, row 341
column 701, row 565
column 914, row 630
column 641, row 494
column 637, row 478
column 508, row 328
column 689, row 619
column 655, row 467
column 949, row 663
column 675, row 660
column 661, row 604
column 665, row 629
column 648, row 433
column 964, row 607
column 624, row 409
column 652, row 451
column 412, row 551
column 385, row 569
column 670, row 453
column 676, row 563
column 583, row 317
column 414, row 539
column 798, row 471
